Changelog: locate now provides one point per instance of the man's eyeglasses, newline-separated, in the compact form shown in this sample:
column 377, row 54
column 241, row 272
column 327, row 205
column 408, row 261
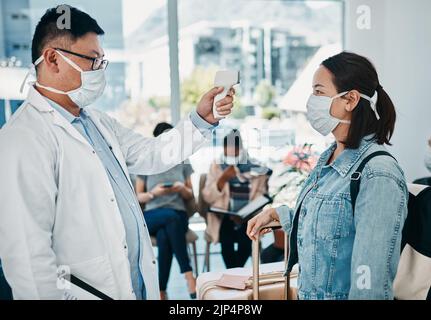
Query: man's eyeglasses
column 98, row 63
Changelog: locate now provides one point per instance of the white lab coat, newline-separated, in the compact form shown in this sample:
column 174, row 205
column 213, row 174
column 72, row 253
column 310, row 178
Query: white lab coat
column 57, row 207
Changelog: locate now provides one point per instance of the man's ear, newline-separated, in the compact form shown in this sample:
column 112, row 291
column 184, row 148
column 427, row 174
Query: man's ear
column 352, row 99
column 50, row 57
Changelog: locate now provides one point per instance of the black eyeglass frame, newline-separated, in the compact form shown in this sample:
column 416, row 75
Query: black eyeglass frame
column 103, row 63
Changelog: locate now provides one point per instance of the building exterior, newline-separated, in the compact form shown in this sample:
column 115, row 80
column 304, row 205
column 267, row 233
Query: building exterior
column 18, row 19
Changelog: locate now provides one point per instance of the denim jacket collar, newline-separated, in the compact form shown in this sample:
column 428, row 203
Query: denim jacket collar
column 348, row 158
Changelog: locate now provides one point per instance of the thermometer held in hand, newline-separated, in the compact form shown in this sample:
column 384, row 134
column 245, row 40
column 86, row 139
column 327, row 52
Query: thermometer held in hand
column 226, row 79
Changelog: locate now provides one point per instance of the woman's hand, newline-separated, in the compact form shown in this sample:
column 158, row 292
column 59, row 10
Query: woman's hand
column 262, row 219
column 159, row 190
column 177, row 187
column 227, row 174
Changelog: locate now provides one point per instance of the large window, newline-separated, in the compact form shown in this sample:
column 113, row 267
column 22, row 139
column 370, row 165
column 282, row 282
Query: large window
column 164, row 55
column 276, row 46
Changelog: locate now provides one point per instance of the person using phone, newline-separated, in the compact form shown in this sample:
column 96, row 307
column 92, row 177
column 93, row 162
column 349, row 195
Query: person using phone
column 347, row 252
column 427, row 161
column 230, row 186
column 428, row 156
column 163, row 198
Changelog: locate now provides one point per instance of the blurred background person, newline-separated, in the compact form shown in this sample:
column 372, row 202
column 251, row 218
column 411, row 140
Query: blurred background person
column 428, row 156
column 230, row 185
column 163, row 198
column 5, row 290
column 427, row 180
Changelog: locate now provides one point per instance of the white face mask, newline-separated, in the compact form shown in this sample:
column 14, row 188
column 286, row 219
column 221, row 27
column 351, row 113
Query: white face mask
column 233, row 161
column 319, row 112
column 92, row 84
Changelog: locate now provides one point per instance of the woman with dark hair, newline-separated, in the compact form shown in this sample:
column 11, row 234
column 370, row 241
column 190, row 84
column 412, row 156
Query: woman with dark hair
column 163, row 197
column 345, row 252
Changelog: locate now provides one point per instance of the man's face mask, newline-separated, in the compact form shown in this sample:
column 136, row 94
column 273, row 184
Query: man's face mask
column 319, row 112
column 92, row 84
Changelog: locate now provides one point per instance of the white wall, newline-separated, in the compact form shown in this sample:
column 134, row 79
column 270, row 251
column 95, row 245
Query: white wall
column 399, row 44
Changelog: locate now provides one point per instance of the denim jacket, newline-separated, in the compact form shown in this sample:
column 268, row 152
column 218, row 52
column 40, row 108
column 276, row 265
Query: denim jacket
column 341, row 255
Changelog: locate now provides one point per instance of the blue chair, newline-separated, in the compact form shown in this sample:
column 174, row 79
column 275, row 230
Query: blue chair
column 2, row 113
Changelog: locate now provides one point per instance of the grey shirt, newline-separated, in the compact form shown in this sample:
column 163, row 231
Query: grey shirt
column 174, row 201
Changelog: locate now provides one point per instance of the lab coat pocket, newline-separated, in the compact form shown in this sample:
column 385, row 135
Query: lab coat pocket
column 97, row 273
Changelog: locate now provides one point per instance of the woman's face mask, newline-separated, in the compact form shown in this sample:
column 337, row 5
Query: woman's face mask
column 319, row 113
column 92, row 84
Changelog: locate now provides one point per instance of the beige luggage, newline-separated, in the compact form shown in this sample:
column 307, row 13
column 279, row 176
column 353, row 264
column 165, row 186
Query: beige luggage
column 239, row 284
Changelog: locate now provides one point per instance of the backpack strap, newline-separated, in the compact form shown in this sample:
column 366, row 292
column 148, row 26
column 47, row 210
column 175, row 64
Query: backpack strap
column 355, row 178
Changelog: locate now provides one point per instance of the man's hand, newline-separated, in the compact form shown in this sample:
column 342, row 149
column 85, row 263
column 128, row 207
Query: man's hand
column 224, row 106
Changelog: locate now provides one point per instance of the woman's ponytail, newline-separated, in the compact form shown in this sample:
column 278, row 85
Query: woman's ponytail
column 387, row 113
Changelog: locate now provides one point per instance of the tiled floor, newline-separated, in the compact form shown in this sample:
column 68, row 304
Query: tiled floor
column 177, row 288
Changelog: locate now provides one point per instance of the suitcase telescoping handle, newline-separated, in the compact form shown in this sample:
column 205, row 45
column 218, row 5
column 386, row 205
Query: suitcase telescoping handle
column 256, row 261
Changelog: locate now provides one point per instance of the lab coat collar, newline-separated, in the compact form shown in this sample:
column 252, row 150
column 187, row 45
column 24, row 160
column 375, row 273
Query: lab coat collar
column 40, row 103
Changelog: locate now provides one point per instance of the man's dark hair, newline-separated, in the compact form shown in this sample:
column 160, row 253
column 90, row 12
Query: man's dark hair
column 161, row 127
column 351, row 71
column 47, row 29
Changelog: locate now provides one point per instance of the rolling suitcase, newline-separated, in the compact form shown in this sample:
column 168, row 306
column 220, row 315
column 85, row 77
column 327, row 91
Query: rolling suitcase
column 262, row 282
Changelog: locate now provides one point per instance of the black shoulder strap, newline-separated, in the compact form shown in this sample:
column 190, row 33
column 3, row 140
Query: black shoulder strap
column 85, row 286
column 355, row 178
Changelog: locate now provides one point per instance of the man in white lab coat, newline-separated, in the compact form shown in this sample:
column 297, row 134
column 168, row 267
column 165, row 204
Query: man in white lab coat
column 66, row 202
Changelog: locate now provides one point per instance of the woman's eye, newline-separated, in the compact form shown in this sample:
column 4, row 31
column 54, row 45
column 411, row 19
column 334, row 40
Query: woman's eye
column 318, row 92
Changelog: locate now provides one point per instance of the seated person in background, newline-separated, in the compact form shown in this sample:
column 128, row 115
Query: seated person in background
column 5, row 290
column 230, row 185
column 428, row 156
column 275, row 251
column 165, row 214
column 426, row 181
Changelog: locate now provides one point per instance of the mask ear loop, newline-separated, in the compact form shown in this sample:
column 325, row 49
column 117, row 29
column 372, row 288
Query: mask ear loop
column 70, row 62
column 373, row 103
column 339, row 96
column 31, row 72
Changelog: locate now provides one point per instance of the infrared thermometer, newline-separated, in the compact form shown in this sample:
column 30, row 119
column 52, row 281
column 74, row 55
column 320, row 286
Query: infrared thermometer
column 226, row 79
